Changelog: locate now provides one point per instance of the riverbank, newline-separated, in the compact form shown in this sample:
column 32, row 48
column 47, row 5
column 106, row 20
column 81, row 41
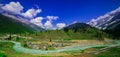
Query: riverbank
column 67, row 52
column 18, row 48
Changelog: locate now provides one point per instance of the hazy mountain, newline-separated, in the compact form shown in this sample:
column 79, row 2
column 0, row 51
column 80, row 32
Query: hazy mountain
column 78, row 25
column 11, row 24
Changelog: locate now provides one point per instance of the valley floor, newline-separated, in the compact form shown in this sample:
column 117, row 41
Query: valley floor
column 6, row 49
column 61, row 45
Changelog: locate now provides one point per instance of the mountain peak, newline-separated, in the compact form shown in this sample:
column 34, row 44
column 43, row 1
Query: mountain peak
column 78, row 25
column 106, row 20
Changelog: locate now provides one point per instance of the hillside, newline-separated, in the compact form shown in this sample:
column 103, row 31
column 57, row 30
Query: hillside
column 78, row 25
column 9, row 25
column 83, row 30
column 114, row 30
column 109, row 22
column 78, row 31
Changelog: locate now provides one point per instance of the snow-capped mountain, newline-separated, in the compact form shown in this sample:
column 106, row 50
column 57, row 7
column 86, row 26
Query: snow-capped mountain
column 105, row 21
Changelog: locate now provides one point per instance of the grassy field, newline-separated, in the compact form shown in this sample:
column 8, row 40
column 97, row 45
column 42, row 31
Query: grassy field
column 55, row 36
column 113, row 52
column 70, row 35
column 6, row 50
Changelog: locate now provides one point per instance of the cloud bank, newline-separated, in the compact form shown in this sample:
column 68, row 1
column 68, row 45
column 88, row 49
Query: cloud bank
column 48, row 24
column 31, row 13
column 61, row 25
column 15, row 8
column 37, row 21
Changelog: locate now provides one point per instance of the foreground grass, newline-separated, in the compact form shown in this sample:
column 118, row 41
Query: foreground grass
column 6, row 50
column 70, row 35
column 99, row 47
column 2, row 55
column 113, row 52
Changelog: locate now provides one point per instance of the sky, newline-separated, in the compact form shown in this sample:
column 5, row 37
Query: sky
column 51, row 14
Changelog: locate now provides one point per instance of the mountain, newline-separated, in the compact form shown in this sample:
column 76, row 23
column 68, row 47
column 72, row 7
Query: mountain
column 110, row 22
column 78, row 25
column 11, row 24
column 114, row 29
column 106, row 20
column 83, row 30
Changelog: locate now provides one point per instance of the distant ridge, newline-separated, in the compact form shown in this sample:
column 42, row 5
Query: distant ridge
column 78, row 25
column 11, row 25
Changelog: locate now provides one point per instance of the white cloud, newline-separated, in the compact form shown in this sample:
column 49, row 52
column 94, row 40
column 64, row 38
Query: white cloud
column 74, row 22
column 13, row 7
column 52, row 18
column 37, row 21
column 31, row 13
column 17, row 8
column 60, row 25
column 48, row 25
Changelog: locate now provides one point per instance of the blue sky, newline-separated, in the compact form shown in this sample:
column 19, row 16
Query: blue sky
column 69, row 11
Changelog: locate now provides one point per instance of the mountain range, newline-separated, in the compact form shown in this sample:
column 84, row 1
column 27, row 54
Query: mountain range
column 110, row 22
column 11, row 24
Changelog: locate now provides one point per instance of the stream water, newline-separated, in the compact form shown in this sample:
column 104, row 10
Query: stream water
column 18, row 48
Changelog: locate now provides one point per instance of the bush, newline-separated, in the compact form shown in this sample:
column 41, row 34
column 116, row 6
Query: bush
column 2, row 55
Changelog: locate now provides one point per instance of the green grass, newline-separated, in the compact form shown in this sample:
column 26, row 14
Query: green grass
column 2, row 55
column 50, row 56
column 6, row 49
column 99, row 47
column 71, row 35
column 8, row 25
column 113, row 52
column 50, row 48
column 54, row 35
column 74, row 52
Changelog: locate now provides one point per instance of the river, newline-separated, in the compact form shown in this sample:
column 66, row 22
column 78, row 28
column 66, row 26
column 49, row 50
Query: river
column 18, row 48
